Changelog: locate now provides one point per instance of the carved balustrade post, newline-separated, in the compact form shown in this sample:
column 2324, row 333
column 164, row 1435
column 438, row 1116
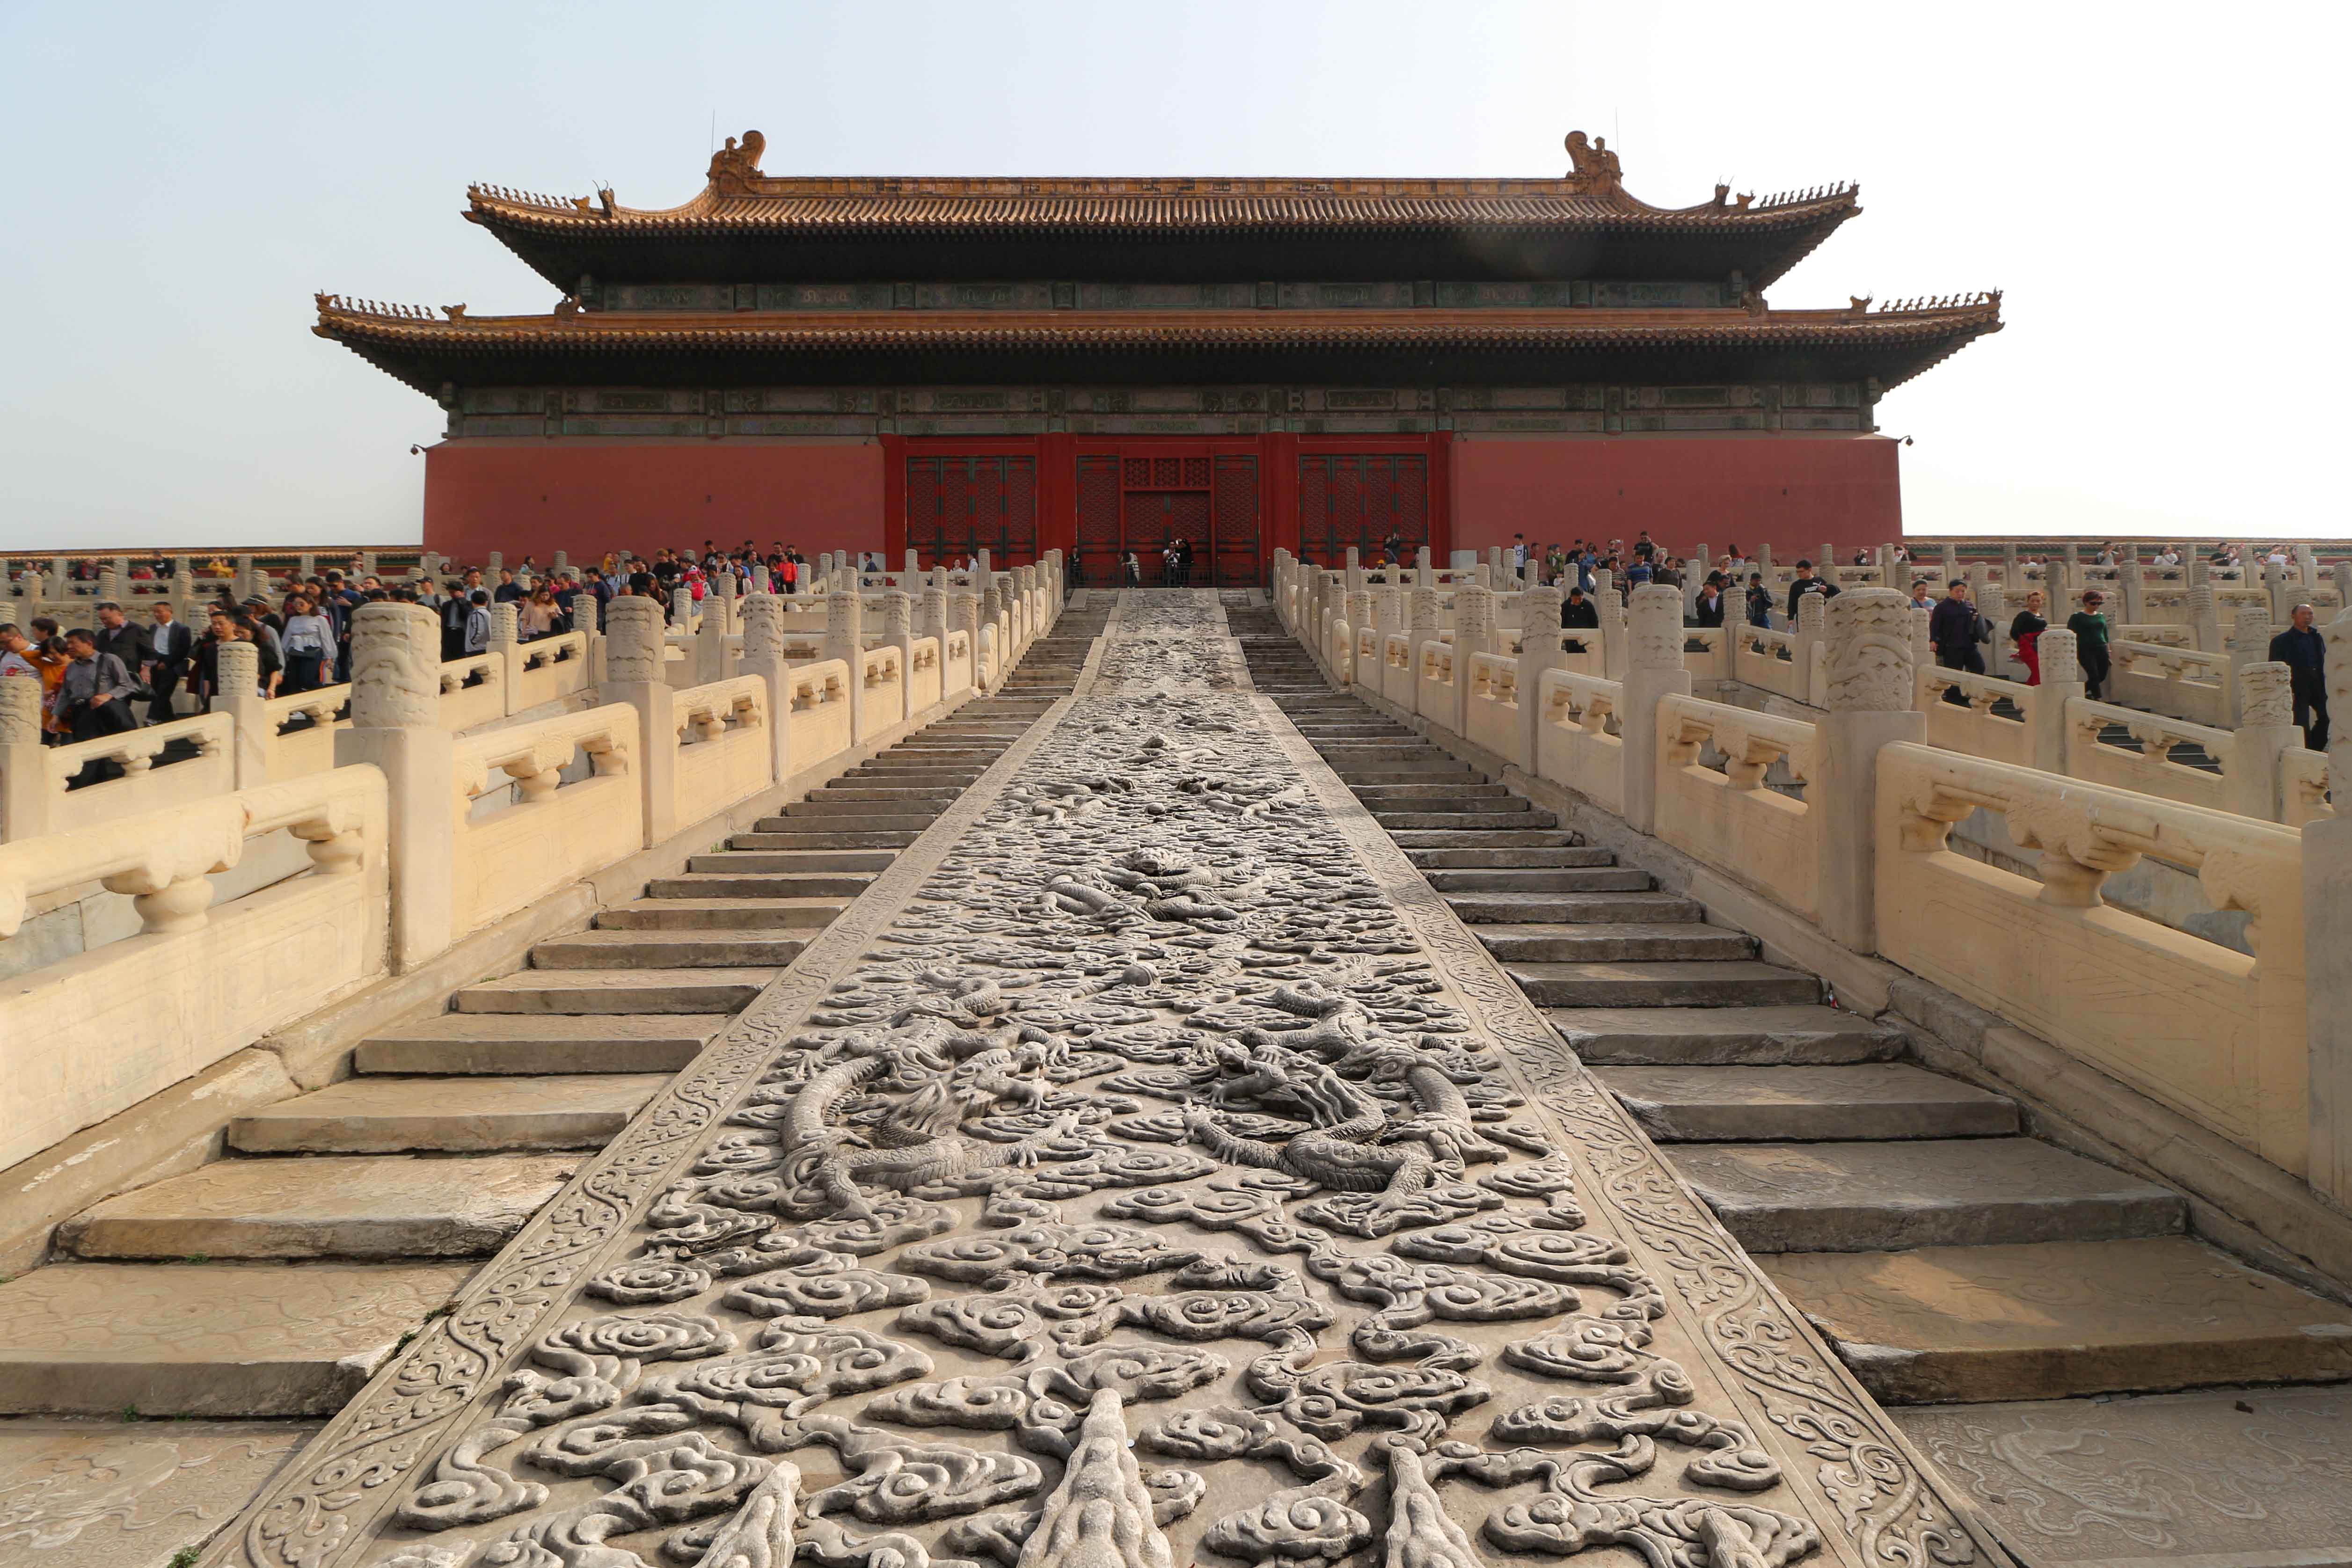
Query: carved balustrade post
column 2281, row 591
column 506, row 647
column 1360, row 621
column 1872, row 673
column 898, row 631
column 934, row 624
column 2135, row 585
column 845, row 639
column 2012, row 581
column 24, row 776
column 2254, row 776
column 1616, row 656
column 1424, row 573
column 397, row 729
column 1811, row 626
column 763, row 655
column 1473, row 634
column 239, row 668
column 2327, row 933
column 1992, row 603
column 709, row 654
column 2204, row 619
column 636, row 673
column 2250, row 643
column 1655, row 672
column 1539, row 651
column 2049, row 732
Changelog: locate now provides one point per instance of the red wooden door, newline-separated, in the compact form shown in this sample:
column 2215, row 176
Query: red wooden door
column 1360, row 498
column 1233, row 559
column 960, row 506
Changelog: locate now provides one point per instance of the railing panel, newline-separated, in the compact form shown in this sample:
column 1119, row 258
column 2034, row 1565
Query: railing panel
column 555, row 832
column 2214, row 1033
column 882, row 689
column 1576, row 742
column 1726, row 816
column 724, row 755
column 1494, row 713
column 2150, row 771
column 820, row 719
column 552, row 668
column 144, row 786
column 473, row 691
column 924, row 684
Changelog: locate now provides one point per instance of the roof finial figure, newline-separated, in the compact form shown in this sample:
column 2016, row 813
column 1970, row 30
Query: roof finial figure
column 734, row 166
column 1597, row 172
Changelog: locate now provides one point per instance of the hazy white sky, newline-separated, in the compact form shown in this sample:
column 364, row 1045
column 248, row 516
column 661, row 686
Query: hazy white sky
column 2153, row 186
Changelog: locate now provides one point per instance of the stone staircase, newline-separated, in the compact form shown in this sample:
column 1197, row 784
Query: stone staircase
column 274, row 1281
column 1948, row 1254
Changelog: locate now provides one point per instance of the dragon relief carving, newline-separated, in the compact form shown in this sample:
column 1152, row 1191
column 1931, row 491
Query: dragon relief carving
column 1149, row 1117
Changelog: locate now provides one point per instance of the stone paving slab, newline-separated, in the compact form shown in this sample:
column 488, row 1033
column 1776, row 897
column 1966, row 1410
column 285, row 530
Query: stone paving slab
column 1968, row 1192
column 1873, row 1100
column 106, row 1493
column 2058, row 1319
column 207, row 1339
column 382, row 1206
column 2228, row 1478
column 385, row 1115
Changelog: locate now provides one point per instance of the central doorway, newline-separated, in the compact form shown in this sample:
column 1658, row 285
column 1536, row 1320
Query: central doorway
column 1136, row 504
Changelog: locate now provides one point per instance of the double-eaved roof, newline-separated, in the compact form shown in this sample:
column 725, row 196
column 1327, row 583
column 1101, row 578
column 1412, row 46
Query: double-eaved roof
column 762, row 279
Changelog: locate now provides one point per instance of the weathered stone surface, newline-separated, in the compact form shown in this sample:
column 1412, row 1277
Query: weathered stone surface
column 615, row 992
column 1576, row 908
column 1869, row 1197
column 1877, row 1099
column 204, row 1338
column 370, row 1207
column 1750, row 1036
column 670, row 949
column 2014, row 1323
column 108, row 1494
column 1669, row 984
column 720, row 914
column 388, row 1115
column 508, row 1043
column 1152, row 1097
column 2242, row 1477
column 1615, row 942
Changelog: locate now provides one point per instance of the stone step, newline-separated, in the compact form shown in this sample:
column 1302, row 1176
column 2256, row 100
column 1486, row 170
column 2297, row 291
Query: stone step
column 1726, row 1037
column 208, row 1339
column 954, row 779
column 852, row 817
column 1722, row 984
column 2062, row 1317
column 1575, row 908
column 1538, row 879
column 1522, row 858
column 861, row 864
column 704, row 948
column 1877, row 1099
column 452, row 1115
column 811, row 833
column 1406, row 773
column 517, row 1043
column 1616, row 943
column 1523, row 816
column 615, row 992
column 380, row 1205
column 753, row 882
column 1440, row 797
column 1517, row 837
column 1888, row 1197
column 721, row 914
column 895, row 794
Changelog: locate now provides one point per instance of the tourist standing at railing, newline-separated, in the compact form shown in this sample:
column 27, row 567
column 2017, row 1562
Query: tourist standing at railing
column 94, row 699
column 478, row 623
column 1578, row 614
column 308, row 644
column 1955, row 628
column 169, row 645
column 536, row 616
column 1919, row 600
column 2090, row 629
column 1708, row 609
column 2025, row 629
column 508, row 590
column 1759, row 601
column 1808, row 582
column 2303, row 652
column 48, row 653
column 116, row 634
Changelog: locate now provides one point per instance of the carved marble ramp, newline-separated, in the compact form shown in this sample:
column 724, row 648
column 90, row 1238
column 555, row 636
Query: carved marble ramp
column 1149, row 1168
column 1945, row 1255
column 274, row 1282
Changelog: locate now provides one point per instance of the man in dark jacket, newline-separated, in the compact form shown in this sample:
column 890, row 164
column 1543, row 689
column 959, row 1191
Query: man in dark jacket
column 2303, row 652
column 1710, row 609
column 95, row 700
column 117, row 636
column 1578, row 613
column 1952, row 628
column 1807, row 582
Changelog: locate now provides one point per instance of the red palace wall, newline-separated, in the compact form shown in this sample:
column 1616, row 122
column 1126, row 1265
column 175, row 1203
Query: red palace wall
column 535, row 497
column 527, row 497
column 1795, row 492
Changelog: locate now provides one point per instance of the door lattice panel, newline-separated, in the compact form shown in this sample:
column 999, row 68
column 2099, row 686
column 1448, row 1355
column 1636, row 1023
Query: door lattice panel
column 1360, row 500
column 958, row 507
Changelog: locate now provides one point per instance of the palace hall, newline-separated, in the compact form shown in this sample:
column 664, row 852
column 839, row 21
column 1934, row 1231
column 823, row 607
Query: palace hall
column 1019, row 365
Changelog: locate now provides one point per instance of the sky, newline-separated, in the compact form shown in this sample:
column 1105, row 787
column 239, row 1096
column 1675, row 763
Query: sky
column 2153, row 186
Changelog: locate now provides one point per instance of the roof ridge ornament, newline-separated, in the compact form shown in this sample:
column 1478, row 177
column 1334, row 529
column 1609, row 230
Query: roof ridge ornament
column 1596, row 171
column 734, row 166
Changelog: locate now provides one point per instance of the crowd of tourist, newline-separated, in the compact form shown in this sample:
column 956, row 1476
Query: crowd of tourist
column 125, row 670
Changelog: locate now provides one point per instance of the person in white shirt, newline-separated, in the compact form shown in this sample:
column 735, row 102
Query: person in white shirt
column 12, row 654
